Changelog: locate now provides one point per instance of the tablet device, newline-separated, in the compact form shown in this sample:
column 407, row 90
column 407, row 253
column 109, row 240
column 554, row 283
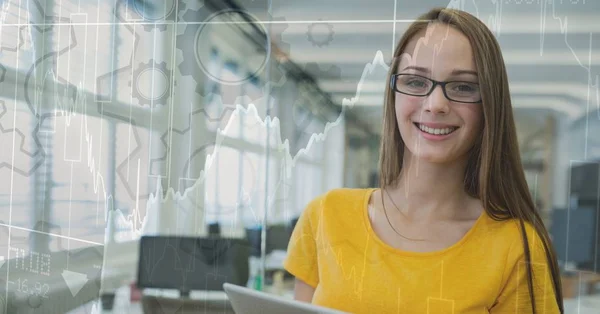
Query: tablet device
column 247, row 301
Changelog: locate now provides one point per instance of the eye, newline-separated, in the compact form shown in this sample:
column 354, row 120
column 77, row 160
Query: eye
column 465, row 87
column 414, row 82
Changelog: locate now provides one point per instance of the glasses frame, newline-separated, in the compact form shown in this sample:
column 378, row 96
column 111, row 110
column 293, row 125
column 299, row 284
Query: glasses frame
column 433, row 86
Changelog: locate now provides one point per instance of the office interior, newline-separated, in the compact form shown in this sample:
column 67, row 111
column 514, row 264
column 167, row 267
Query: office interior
column 134, row 130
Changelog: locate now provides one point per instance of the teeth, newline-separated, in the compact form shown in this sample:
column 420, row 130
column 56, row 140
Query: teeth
column 436, row 131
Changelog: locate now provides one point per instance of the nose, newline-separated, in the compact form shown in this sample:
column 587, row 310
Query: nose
column 437, row 102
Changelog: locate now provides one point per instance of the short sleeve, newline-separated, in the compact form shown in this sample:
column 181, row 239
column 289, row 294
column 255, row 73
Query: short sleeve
column 301, row 259
column 514, row 296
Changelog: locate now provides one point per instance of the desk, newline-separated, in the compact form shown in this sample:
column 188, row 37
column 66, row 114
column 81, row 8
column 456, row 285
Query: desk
column 165, row 301
column 581, row 305
column 158, row 302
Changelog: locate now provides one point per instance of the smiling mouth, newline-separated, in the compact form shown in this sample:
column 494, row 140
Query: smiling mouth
column 436, row 131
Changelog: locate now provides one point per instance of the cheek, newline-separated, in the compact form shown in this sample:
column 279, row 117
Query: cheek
column 473, row 117
column 406, row 107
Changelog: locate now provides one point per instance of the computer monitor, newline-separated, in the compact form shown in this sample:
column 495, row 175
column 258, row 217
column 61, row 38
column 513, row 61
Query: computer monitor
column 573, row 233
column 254, row 237
column 278, row 237
column 191, row 263
column 293, row 223
column 214, row 229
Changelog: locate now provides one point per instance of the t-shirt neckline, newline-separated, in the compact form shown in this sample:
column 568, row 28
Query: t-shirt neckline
column 380, row 242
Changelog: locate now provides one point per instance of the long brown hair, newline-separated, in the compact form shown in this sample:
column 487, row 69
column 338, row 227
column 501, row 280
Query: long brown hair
column 496, row 153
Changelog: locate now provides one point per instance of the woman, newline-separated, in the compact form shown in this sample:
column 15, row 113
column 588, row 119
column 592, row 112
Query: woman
column 446, row 232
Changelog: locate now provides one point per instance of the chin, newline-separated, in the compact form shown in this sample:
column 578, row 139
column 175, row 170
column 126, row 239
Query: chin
column 426, row 153
column 434, row 158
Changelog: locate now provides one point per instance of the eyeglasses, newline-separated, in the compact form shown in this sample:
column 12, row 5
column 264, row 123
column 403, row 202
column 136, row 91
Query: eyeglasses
column 416, row 85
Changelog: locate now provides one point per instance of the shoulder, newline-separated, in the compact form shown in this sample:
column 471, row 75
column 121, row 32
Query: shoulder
column 336, row 201
column 511, row 242
column 520, row 271
column 512, row 230
column 340, row 198
column 507, row 237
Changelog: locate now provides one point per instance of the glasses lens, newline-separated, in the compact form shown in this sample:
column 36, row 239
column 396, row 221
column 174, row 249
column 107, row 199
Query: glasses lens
column 463, row 91
column 413, row 84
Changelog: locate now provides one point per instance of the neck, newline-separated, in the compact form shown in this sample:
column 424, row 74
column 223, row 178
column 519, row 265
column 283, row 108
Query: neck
column 429, row 191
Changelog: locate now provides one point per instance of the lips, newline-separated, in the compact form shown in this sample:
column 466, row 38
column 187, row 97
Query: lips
column 436, row 128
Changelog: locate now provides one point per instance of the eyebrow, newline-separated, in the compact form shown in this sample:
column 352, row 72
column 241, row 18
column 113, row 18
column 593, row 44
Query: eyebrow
column 426, row 70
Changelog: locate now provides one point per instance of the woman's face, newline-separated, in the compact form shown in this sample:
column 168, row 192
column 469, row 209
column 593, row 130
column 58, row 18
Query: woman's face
column 434, row 128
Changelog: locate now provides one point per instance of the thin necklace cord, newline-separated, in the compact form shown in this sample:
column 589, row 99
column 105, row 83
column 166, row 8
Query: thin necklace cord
column 388, row 219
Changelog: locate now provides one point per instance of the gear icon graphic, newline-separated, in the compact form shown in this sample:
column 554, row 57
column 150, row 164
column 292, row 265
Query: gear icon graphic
column 152, row 73
column 198, row 66
column 37, row 156
column 152, row 16
column 7, row 44
column 20, row 165
column 314, row 38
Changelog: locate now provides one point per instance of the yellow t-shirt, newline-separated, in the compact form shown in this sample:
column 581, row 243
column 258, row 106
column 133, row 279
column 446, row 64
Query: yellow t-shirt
column 334, row 249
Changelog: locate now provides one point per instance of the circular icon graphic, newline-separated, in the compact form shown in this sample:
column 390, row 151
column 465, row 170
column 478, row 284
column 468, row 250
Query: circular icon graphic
column 34, row 301
column 200, row 65
column 151, row 84
column 314, row 36
column 156, row 14
column 223, row 18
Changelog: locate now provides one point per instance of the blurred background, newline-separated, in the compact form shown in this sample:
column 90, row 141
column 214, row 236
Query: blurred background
column 132, row 125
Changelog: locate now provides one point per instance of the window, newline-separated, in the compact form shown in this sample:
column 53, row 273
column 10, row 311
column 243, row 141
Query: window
column 254, row 178
column 308, row 184
column 15, row 41
column 254, row 129
column 96, row 160
column 83, row 52
column 223, row 99
column 223, row 185
column 80, row 158
column 24, row 156
column 236, row 188
column 133, row 182
column 80, row 164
